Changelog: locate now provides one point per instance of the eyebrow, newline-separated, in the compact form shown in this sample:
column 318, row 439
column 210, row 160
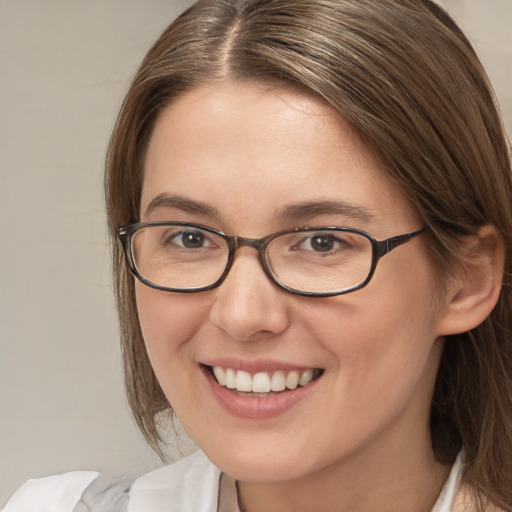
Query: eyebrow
column 316, row 208
column 184, row 204
column 293, row 211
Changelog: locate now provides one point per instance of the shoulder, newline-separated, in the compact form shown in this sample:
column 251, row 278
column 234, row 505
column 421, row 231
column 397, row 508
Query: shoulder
column 465, row 497
column 189, row 484
column 465, row 501
column 58, row 493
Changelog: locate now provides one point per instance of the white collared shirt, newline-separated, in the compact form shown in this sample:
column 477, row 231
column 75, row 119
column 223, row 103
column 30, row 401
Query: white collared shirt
column 193, row 484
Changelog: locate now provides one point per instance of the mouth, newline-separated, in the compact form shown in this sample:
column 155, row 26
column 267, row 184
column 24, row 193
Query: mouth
column 263, row 384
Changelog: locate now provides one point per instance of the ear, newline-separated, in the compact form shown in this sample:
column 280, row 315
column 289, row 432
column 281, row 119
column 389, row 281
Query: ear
column 474, row 290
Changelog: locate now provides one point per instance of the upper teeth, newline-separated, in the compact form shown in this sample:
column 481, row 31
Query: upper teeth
column 262, row 382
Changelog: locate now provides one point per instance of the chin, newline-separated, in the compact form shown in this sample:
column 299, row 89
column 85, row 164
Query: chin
column 259, row 466
column 261, row 471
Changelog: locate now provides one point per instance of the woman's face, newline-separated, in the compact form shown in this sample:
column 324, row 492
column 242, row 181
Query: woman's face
column 251, row 161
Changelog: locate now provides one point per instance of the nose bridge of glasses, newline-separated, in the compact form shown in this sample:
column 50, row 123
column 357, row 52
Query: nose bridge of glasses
column 240, row 241
column 237, row 242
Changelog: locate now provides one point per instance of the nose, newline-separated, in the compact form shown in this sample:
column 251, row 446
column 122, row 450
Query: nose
column 248, row 305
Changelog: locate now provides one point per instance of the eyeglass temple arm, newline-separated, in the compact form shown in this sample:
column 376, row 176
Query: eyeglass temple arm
column 385, row 246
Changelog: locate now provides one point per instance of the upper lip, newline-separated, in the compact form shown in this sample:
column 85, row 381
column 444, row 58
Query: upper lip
column 255, row 366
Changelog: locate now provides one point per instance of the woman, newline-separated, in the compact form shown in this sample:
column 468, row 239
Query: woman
column 312, row 201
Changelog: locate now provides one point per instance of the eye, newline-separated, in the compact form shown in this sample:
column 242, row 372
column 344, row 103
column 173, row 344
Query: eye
column 190, row 239
column 322, row 243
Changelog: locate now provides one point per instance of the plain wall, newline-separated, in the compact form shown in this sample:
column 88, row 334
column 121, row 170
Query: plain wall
column 64, row 66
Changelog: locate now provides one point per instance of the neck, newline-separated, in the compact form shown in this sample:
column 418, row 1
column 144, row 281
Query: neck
column 395, row 477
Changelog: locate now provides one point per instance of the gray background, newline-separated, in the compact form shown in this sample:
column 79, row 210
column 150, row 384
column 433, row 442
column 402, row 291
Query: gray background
column 64, row 66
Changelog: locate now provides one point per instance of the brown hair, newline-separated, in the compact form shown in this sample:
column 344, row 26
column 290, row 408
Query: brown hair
column 408, row 81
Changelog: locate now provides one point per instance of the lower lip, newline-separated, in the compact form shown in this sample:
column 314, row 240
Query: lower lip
column 256, row 408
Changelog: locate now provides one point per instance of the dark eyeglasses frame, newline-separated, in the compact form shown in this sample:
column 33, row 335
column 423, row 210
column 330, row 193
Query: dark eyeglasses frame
column 379, row 249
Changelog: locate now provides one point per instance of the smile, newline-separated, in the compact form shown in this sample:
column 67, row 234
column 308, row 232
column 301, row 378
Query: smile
column 260, row 391
column 263, row 383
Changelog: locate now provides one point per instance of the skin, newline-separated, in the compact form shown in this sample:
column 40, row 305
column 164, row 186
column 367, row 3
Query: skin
column 359, row 440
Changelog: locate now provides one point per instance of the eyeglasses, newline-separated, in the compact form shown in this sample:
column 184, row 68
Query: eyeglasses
column 313, row 262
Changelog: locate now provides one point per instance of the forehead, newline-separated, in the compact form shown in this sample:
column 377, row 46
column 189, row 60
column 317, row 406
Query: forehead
column 250, row 152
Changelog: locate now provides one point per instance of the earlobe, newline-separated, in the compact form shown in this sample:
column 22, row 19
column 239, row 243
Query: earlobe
column 474, row 290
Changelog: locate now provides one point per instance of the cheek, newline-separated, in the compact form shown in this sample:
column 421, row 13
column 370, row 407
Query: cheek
column 404, row 329
column 376, row 336
column 168, row 321
column 382, row 337
column 169, row 324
